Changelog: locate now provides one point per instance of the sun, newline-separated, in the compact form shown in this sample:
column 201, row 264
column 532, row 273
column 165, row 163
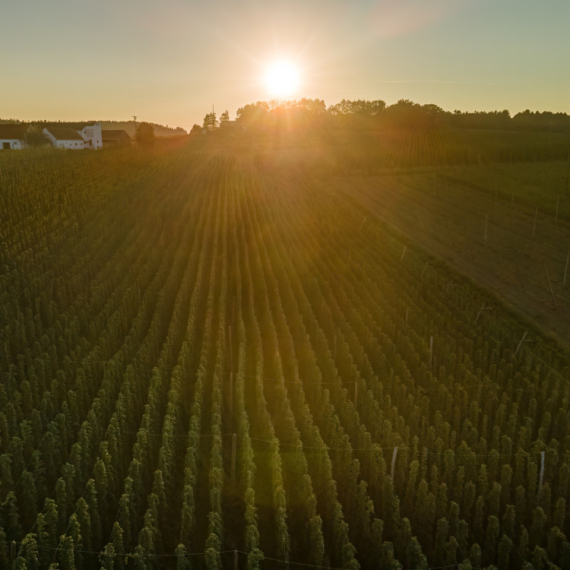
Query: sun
column 282, row 79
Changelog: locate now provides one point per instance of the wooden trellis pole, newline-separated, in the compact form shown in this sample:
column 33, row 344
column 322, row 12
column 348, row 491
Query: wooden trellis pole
column 525, row 334
column 393, row 466
column 234, row 453
column 231, row 394
column 231, row 351
column 479, row 313
column 541, row 477
column 551, row 290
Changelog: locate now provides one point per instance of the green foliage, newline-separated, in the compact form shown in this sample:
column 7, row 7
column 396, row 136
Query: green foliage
column 145, row 135
column 197, row 358
column 34, row 136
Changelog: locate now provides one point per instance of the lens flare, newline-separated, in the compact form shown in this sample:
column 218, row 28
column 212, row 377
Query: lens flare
column 282, row 79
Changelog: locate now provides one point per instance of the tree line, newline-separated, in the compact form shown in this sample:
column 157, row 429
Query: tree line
column 376, row 114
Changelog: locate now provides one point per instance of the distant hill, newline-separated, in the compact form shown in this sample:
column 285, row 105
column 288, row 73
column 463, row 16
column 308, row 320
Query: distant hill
column 129, row 126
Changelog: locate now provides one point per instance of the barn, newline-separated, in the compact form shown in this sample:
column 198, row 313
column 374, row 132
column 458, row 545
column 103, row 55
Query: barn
column 75, row 136
column 63, row 137
column 12, row 136
column 115, row 137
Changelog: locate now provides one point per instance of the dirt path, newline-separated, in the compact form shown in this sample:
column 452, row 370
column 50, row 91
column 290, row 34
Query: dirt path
column 451, row 222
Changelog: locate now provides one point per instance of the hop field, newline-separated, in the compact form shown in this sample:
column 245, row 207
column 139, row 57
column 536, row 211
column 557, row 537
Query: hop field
column 206, row 365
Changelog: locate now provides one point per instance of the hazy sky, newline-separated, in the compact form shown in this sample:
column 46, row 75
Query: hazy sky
column 168, row 61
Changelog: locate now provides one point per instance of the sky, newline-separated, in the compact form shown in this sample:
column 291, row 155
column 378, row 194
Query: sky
column 169, row 61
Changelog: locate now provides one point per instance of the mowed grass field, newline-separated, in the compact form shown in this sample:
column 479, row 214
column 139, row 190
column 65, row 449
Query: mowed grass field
column 505, row 226
column 209, row 362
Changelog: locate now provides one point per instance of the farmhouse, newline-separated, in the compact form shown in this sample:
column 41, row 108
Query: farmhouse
column 62, row 137
column 12, row 136
column 116, row 137
column 73, row 136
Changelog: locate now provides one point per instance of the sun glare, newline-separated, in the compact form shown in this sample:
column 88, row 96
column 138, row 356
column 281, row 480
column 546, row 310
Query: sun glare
column 282, row 79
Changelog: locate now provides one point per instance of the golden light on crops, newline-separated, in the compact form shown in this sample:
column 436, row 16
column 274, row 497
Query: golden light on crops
column 282, row 79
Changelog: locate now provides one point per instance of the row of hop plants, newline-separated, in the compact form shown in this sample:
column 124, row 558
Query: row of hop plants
column 90, row 437
column 297, row 523
column 336, row 340
column 365, row 528
column 304, row 243
column 552, row 470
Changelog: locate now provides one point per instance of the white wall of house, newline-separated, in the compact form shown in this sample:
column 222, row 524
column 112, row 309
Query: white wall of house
column 73, row 145
column 14, row 144
column 93, row 136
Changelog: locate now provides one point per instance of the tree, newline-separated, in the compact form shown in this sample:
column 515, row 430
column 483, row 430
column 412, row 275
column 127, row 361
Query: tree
column 196, row 129
column 224, row 118
column 145, row 135
column 34, row 136
column 210, row 121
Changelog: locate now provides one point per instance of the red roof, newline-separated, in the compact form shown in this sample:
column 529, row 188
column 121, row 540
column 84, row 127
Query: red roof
column 13, row 131
column 64, row 134
column 115, row 134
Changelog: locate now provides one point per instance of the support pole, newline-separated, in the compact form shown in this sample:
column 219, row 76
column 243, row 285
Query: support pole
column 403, row 252
column 231, row 350
column 541, row 476
column 234, row 450
column 236, row 561
column 334, row 347
column 521, row 342
column 393, row 466
column 231, row 398
column 551, row 290
column 479, row 313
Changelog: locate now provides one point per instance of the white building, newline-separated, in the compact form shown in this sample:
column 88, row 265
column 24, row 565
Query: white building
column 12, row 136
column 75, row 136
column 64, row 137
column 92, row 135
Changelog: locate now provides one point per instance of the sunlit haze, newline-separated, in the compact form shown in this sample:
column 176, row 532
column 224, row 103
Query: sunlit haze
column 170, row 61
